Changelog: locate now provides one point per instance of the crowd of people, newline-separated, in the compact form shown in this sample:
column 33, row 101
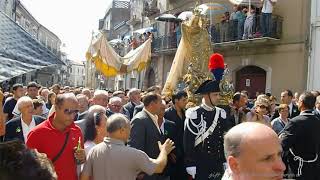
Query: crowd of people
column 244, row 23
column 133, row 134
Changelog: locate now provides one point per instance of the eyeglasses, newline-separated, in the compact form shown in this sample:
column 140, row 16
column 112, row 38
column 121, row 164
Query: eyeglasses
column 116, row 106
column 70, row 111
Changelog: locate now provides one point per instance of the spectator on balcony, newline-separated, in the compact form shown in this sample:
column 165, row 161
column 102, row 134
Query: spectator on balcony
column 178, row 33
column 241, row 16
column 134, row 43
column 233, row 24
column 224, row 27
column 248, row 25
column 267, row 8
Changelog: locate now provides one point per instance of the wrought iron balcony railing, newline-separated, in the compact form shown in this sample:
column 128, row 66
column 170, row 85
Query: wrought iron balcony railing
column 231, row 31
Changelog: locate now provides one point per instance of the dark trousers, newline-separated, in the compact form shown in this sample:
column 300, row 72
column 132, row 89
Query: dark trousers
column 266, row 24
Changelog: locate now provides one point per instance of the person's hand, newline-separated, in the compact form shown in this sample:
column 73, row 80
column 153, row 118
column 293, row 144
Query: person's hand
column 80, row 155
column 167, row 146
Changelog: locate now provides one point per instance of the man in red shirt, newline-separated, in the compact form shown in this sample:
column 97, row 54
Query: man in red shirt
column 59, row 138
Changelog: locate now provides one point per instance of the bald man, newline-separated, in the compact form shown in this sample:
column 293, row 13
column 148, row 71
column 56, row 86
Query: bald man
column 58, row 137
column 253, row 152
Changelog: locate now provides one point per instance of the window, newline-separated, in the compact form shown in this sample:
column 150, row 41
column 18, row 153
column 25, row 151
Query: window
column 133, row 82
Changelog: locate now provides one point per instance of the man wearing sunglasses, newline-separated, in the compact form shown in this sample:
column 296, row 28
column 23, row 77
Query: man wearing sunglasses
column 59, row 138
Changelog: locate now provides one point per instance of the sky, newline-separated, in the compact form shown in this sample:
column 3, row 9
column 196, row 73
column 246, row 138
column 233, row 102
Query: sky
column 71, row 20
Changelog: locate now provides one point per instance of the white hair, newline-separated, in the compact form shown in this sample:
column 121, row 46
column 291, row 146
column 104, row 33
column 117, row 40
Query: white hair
column 96, row 109
column 23, row 100
column 100, row 92
column 80, row 96
column 115, row 99
column 133, row 90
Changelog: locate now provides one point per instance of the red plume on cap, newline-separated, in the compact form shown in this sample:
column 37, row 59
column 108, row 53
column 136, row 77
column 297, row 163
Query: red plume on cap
column 216, row 61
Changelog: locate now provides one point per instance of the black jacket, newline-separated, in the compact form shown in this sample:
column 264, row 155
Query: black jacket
column 208, row 156
column 14, row 128
column 130, row 108
column 301, row 135
column 138, row 109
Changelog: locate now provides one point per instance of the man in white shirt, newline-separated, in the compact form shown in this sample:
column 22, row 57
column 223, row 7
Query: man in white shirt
column 19, row 127
column 267, row 8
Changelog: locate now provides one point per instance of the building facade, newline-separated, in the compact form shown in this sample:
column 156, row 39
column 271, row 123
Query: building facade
column 76, row 74
column 18, row 13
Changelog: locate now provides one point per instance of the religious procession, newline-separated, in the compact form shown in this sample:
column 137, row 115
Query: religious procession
column 169, row 90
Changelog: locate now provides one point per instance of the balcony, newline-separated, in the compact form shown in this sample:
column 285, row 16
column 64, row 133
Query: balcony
column 151, row 9
column 164, row 44
column 224, row 35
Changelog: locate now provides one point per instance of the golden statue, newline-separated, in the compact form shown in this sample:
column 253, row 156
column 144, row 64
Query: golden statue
column 189, row 66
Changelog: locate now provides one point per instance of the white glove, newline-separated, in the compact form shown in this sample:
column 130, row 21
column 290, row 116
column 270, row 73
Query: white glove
column 192, row 171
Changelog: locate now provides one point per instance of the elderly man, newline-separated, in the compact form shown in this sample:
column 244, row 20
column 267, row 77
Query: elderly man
column 43, row 93
column 112, row 160
column 115, row 106
column 134, row 100
column 122, row 95
column 100, row 97
column 300, row 140
column 60, row 139
column 253, row 152
column 19, row 127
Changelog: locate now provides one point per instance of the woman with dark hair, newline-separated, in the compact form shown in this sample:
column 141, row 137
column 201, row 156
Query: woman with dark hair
column 51, row 99
column 96, row 129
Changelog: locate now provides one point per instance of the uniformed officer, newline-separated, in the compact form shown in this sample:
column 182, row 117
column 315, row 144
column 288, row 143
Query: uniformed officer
column 300, row 141
column 203, row 135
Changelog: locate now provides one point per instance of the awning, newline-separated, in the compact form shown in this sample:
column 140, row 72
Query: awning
column 19, row 52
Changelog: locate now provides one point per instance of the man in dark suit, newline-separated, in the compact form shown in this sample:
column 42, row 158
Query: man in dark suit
column 300, row 141
column 286, row 98
column 145, row 130
column 137, row 109
column 176, row 114
column 134, row 100
column 19, row 128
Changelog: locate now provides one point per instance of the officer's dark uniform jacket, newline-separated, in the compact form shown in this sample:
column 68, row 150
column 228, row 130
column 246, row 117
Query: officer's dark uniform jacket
column 300, row 141
column 208, row 155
